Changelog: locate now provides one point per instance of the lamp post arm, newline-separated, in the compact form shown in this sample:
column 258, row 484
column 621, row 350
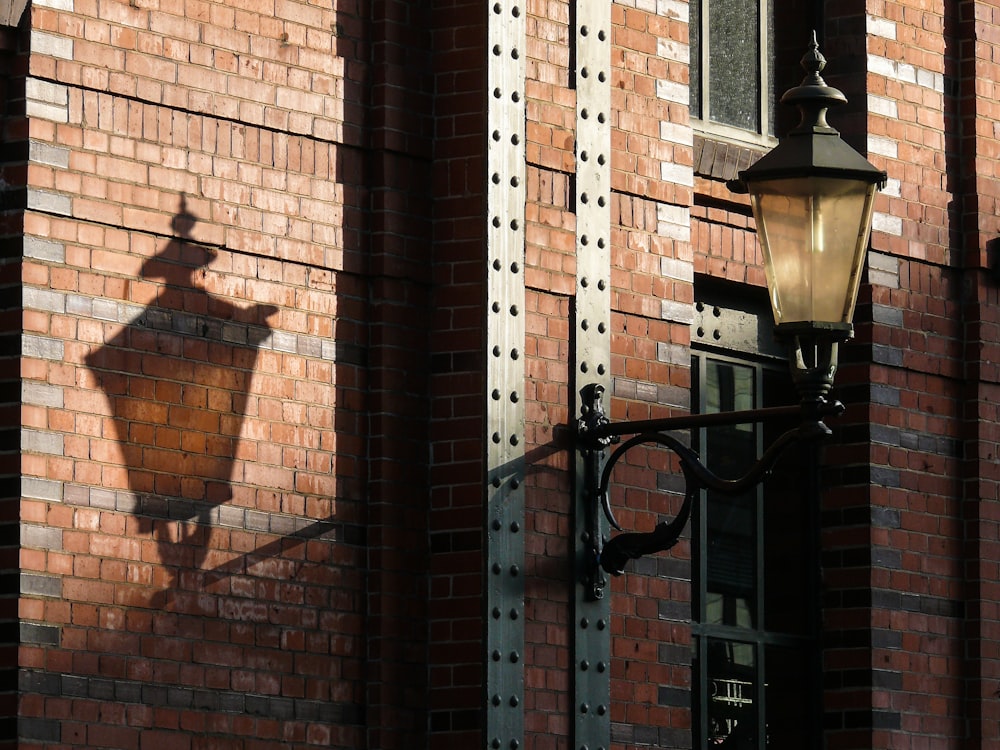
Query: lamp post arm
column 595, row 433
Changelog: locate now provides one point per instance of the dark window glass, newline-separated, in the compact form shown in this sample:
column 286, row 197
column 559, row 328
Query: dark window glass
column 752, row 622
column 734, row 63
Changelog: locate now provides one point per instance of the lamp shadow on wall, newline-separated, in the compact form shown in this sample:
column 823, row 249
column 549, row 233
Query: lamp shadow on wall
column 177, row 378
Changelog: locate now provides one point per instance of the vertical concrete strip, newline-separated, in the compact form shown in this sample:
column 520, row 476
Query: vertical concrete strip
column 505, row 205
column 592, row 348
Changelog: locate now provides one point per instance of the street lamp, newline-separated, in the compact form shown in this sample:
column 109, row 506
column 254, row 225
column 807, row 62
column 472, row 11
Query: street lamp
column 812, row 198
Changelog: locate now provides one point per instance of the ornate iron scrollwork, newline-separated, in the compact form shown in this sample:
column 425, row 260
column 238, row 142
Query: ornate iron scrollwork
column 595, row 433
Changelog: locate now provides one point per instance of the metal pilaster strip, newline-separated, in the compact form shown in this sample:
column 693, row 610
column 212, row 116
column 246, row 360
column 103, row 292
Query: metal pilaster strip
column 505, row 203
column 592, row 637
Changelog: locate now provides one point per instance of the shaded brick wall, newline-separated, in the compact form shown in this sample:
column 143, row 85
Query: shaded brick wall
column 224, row 367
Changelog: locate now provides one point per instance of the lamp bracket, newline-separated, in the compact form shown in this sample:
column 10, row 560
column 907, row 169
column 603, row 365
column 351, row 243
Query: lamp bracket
column 595, row 432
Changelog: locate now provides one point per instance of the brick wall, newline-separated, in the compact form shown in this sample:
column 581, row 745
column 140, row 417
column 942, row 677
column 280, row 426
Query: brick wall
column 223, row 376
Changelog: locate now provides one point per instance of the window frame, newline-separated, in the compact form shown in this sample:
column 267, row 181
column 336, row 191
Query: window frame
column 701, row 121
column 759, row 637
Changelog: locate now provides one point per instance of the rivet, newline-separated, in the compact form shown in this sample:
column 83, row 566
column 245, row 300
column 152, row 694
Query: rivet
column 701, row 332
column 600, row 369
column 514, row 440
column 497, row 568
column 601, row 328
column 496, row 351
column 514, row 354
column 514, row 570
column 585, row 324
column 496, row 394
column 496, row 481
column 515, row 744
column 584, row 708
column 584, row 72
column 601, row 201
column 584, row 239
column 513, row 614
column 514, row 398
column 515, row 139
column 717, row 312
column 496, row 222
column 601, row 710
column 717, row 334
column 515, row 267
column 514, row 657
column 496, row 135
column 496, row 50
column 514, row 310
column 601, row 624
column 515, row 11
column 496, row 656
column 515, row 483
column 584, row 156
column 601, row 77
column 497, row 93
column 496, row 307
column 496, row 263
column 601, row 35
column 584, row 282
column 584, row 198
column 496, row 438
column 584, row 113
column 515, row 526
column 496, row 524
column 497, row 700
column 496, row 743
column 513, row 701
column 514, row 182
column 602, row 284
column 584, row 367
column 600, row 242
column 514, row 53
column 496, row 613
column 514, row 224
column 584, row 622
column 496, row 178
column 515, row 97
column 601, row 159
column 600, row 117
column 601, row 666
column 584, row 665
column 584, row 31
column 496, row 8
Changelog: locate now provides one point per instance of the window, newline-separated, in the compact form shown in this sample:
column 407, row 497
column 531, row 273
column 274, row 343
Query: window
column 754, row 597
column 742, row 59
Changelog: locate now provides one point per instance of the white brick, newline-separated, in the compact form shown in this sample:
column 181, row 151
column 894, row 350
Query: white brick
column 41, row 347
column 879, row 105
column 36, row 441
column 883, row 146
column 46, row 101
column 39, row 249
column 673, row 132
column 887, row 224
column 673, row 9
column 41, row 394
column 668, row 49
column 672, row 92
column 53, row 45
column 34, row 298
column 881, row 27
column 678, row 174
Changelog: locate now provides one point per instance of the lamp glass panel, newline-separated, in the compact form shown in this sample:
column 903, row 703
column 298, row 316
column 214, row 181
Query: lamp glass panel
column 814, row 232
